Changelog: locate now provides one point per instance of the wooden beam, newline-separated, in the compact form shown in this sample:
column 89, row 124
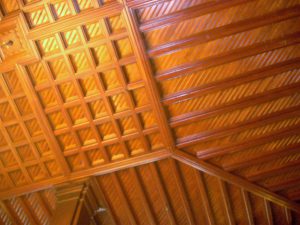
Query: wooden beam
column 148, row 75
column 204, row 198
column 189, row 13
column 100, row 195
column 215, row 171
column 100, row 170
column 288, row 216
column 239, row 79
column 213, row 152
column 162, row 193
column 281, row 169
column 262, row 158
column 227, row 204
column 284, row 185
column 246, row 200
column 268, row 212
column 238, row 127
column 227, row 30
column 137, row 182
column 230, row 56
column 124, row 200
column 182, row 192
column 237, row 104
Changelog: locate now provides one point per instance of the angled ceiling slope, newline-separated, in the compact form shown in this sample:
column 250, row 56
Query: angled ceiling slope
column 116, row 89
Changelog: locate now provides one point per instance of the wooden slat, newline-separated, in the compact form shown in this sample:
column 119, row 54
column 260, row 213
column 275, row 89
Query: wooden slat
column 162, row 193
column 215, row 171
column 268, row 212
column 124, row 200
column 227, row 203
column 143, row 198
column 204, row 198
column 182, row 192
column 248, row 208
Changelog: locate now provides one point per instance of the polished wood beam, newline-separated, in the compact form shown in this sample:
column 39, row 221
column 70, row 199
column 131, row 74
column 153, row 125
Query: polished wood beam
column 135, row 4
column 217, row 151
column 148, row 75
column 238, row 127
column 189, row 13
column 241, row 103
column 96, row 171
column 215, row 171
column 239, row 79
column 227, row 204
column 204, row 198
column 162, row 193
column 223, row 31
column 282, row 169
column 142, row 196
column 124, row 201
column 268, row 156
column 230, row 56
column 284, row 185
column 248, row 208
column 182, row 192
column 268, row 212
column 288, row 215
column 100, row 195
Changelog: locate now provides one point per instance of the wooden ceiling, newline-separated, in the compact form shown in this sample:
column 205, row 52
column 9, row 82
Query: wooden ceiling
column 183, row 111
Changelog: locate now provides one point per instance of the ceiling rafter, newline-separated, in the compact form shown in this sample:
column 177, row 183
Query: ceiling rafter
column 215, row 171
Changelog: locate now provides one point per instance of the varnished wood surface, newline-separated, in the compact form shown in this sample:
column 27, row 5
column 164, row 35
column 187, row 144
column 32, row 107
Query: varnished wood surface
column 106, row 87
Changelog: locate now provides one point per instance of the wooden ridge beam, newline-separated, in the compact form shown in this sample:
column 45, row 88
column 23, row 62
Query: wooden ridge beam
column 96, row 171
column 233, row 179
column 189, row 13
column 239, row 79
column 239, row 127
column 217, row 151
column 226, row 30
column 237, row 104
column 230, row 56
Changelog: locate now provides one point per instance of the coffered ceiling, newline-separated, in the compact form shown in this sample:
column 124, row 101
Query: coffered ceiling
column 116, row 89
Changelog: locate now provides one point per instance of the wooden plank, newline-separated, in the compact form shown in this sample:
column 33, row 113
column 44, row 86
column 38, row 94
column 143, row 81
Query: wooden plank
column 204, row 198
column 268, row 212
column 227, row 204
column 248, row 207
column 146, row 205
column 124, row 201
column 162, row 193
column 215, row 171
column 182, row 192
